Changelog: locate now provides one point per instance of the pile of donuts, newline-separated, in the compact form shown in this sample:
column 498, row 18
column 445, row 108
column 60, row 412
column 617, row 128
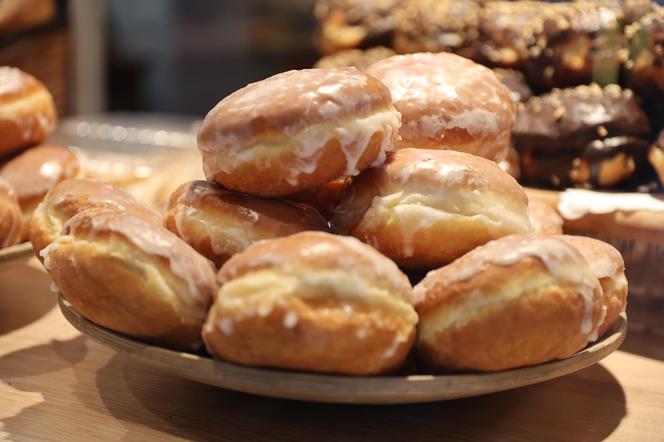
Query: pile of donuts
column 28, row 169
column 324, row 203
column 596, row 67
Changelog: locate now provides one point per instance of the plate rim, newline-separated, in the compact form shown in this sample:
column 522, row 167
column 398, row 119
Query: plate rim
column 15, row 252
column 332, row 388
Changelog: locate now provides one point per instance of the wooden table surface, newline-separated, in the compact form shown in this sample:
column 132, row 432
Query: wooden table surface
column 58, row 385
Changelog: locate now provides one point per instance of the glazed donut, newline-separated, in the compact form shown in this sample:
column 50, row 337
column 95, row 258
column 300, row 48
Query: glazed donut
column 324, row 198
column 312, row 301
column 298, row 129
column 608, row 266
column 219, row 223
column 425, row 208
column 11, row 221
column 544, row 218
column 519, row 300
column 27, row 112
column 33, row 173
column 448, row 102
column 586, row 135
column 72, row 196
column 126, row 273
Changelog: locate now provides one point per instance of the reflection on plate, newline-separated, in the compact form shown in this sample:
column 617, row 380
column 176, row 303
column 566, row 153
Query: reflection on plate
column 342, row 389
column 15, row 252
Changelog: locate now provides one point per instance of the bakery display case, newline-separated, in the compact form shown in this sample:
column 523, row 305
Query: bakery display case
column 208, row 209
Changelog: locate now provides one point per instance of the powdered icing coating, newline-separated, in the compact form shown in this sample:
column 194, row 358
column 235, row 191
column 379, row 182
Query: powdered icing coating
column 577, row 203
column 316, row 250
column 563, row 261
column 418, row 188
column 151, row 239
column 307, row 145
column 288, row 102
column 604, row 260
column 436, row 93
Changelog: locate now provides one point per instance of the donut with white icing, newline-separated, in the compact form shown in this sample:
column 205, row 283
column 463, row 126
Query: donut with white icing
column 33, row 173
column 425, row 208
column 298, row 129
column 516, row 301
column 219, row 223
column 448, row 102
column 27, row 112
column 11, row 221
column 72, row 196
column 544, row 218
column 607, row 264
column 126, row 273
column 312, row 301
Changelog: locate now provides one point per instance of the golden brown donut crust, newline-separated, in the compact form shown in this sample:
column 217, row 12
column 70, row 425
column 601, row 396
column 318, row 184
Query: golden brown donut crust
column 425, row 208
column 608, row 265
column 128, row 274
column 544, row 218
column 312, row 301
column 11, row 221
column 72, row 196
column 27, row 112
column 520, row 300
column 296, row 130
column 448, row 102
column 219, row 223
column 252, row 340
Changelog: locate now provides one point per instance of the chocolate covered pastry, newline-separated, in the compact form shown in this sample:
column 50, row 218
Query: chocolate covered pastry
column 349, row 24
column 438, row 25
column 554, row 44
column 586, row 136
column 645, row 67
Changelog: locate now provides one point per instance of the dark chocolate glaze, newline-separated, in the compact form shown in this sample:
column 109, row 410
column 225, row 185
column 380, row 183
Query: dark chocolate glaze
column 554, row 168
column 580, row 127
column 570, row 119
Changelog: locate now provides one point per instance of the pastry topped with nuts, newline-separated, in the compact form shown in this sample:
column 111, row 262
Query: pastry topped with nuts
column 348, row 24
column 556, row 45
column 587, row 135
column 645, row 68
column 438, row 25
